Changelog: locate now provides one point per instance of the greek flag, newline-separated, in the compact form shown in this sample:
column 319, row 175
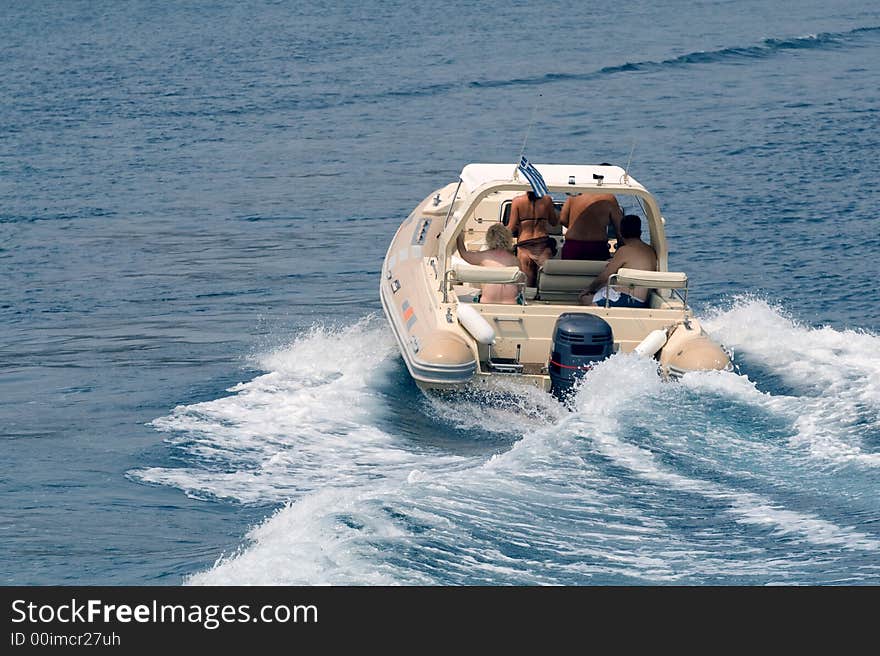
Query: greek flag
column 534, row 178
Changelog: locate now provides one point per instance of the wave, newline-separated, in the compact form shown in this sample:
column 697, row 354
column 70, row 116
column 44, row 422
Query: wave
column 727, row 477
column 313, row 421
column 833, row 376
column 543, row 512
column 747, row 507
column 768, row 48
column 81, row 213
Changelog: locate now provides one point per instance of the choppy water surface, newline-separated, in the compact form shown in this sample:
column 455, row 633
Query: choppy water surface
column 197, row 384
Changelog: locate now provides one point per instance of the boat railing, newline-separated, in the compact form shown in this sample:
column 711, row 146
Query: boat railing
column 452, row 205
column 673, row 280
column 460, row 273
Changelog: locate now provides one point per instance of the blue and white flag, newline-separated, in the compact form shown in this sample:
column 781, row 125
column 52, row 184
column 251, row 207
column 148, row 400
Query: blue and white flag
column 534, row 178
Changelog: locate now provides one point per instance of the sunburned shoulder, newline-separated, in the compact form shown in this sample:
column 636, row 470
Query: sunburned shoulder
column 499, row 258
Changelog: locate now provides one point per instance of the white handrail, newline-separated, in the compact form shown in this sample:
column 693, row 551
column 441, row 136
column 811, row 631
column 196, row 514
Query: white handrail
column 652, row 279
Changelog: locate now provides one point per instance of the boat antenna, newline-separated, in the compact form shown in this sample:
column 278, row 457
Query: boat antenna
column 522, row 150
column 628, row 162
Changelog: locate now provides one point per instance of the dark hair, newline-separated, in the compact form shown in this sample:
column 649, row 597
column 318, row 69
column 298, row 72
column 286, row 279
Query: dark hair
column 630, row 226
column 531, row 195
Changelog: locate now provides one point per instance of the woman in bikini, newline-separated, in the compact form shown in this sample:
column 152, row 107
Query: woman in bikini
column 529, row 220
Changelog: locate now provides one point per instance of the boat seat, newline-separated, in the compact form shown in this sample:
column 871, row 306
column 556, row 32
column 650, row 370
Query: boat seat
column 653, row 280
column 563, row 279
column 461, row 273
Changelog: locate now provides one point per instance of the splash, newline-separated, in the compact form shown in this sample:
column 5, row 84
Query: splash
column 304, row 544
column 507, row 408
column 834, row 374
column 313, row 421
column 545, row 511
column 748, row 508
column 604, row 491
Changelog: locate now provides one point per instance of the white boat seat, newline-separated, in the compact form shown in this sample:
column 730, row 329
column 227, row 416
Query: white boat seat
column 651, row 279
column 462, row 272
column 562, row 279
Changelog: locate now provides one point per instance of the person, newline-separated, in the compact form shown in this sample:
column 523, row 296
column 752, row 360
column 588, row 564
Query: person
column 499, row 254
column 587, row 217
column 632, row 254
column 530, row 218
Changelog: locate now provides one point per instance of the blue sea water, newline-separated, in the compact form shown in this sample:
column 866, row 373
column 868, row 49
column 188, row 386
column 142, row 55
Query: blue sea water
column 196, row 381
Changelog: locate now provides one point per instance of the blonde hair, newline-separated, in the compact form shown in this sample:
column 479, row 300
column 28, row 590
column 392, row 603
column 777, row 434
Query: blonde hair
column 498, row 237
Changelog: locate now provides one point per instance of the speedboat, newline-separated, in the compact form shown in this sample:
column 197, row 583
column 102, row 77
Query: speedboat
column 450, row 340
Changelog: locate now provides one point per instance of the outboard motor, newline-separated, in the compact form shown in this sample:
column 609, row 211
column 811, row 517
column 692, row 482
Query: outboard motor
column 579, row 341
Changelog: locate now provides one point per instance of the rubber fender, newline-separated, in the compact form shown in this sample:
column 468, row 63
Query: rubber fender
column 475, row 324
column 652, row 343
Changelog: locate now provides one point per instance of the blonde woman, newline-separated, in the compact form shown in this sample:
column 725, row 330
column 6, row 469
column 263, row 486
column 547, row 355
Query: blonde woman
column 499, row 253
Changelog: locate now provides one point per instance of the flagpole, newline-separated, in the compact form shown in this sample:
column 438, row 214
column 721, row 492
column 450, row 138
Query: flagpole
column 528, row 130
column 629, row 161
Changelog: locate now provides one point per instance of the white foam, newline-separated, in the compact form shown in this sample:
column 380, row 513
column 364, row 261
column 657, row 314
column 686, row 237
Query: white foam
column 365, row 507
column 725, row 384
column 310, row 422
column 816, row 358
column 304, row 544
column 617, row 382
column 345, row 536
column 748, row 508
column 837, row 373
column 507, row 409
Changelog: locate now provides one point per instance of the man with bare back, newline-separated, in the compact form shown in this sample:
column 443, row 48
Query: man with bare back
column 633, row 253
column 587, row 217
column 530, row 218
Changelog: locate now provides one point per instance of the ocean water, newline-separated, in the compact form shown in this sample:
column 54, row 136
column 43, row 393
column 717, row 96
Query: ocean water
column 197, row 385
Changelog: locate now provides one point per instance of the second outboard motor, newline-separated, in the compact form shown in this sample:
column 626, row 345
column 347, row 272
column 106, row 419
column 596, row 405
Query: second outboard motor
column 579, row 341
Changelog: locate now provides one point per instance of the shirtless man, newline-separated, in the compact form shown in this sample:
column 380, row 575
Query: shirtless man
column 587, row 217
column 500, row 254
column 530, row 218
column 633, row 254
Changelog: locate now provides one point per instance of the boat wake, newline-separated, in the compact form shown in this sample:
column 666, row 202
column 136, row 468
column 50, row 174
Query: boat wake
column 314, row 420
column 763, row 476
column 833, row 378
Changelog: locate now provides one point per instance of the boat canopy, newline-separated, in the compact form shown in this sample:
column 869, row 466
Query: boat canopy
column 479, row 180
column 557, row 176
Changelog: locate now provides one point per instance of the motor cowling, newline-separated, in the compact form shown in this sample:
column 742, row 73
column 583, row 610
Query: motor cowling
column 579, row 341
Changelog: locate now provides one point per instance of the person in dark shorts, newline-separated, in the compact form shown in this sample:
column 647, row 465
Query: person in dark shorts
column 587, row 217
